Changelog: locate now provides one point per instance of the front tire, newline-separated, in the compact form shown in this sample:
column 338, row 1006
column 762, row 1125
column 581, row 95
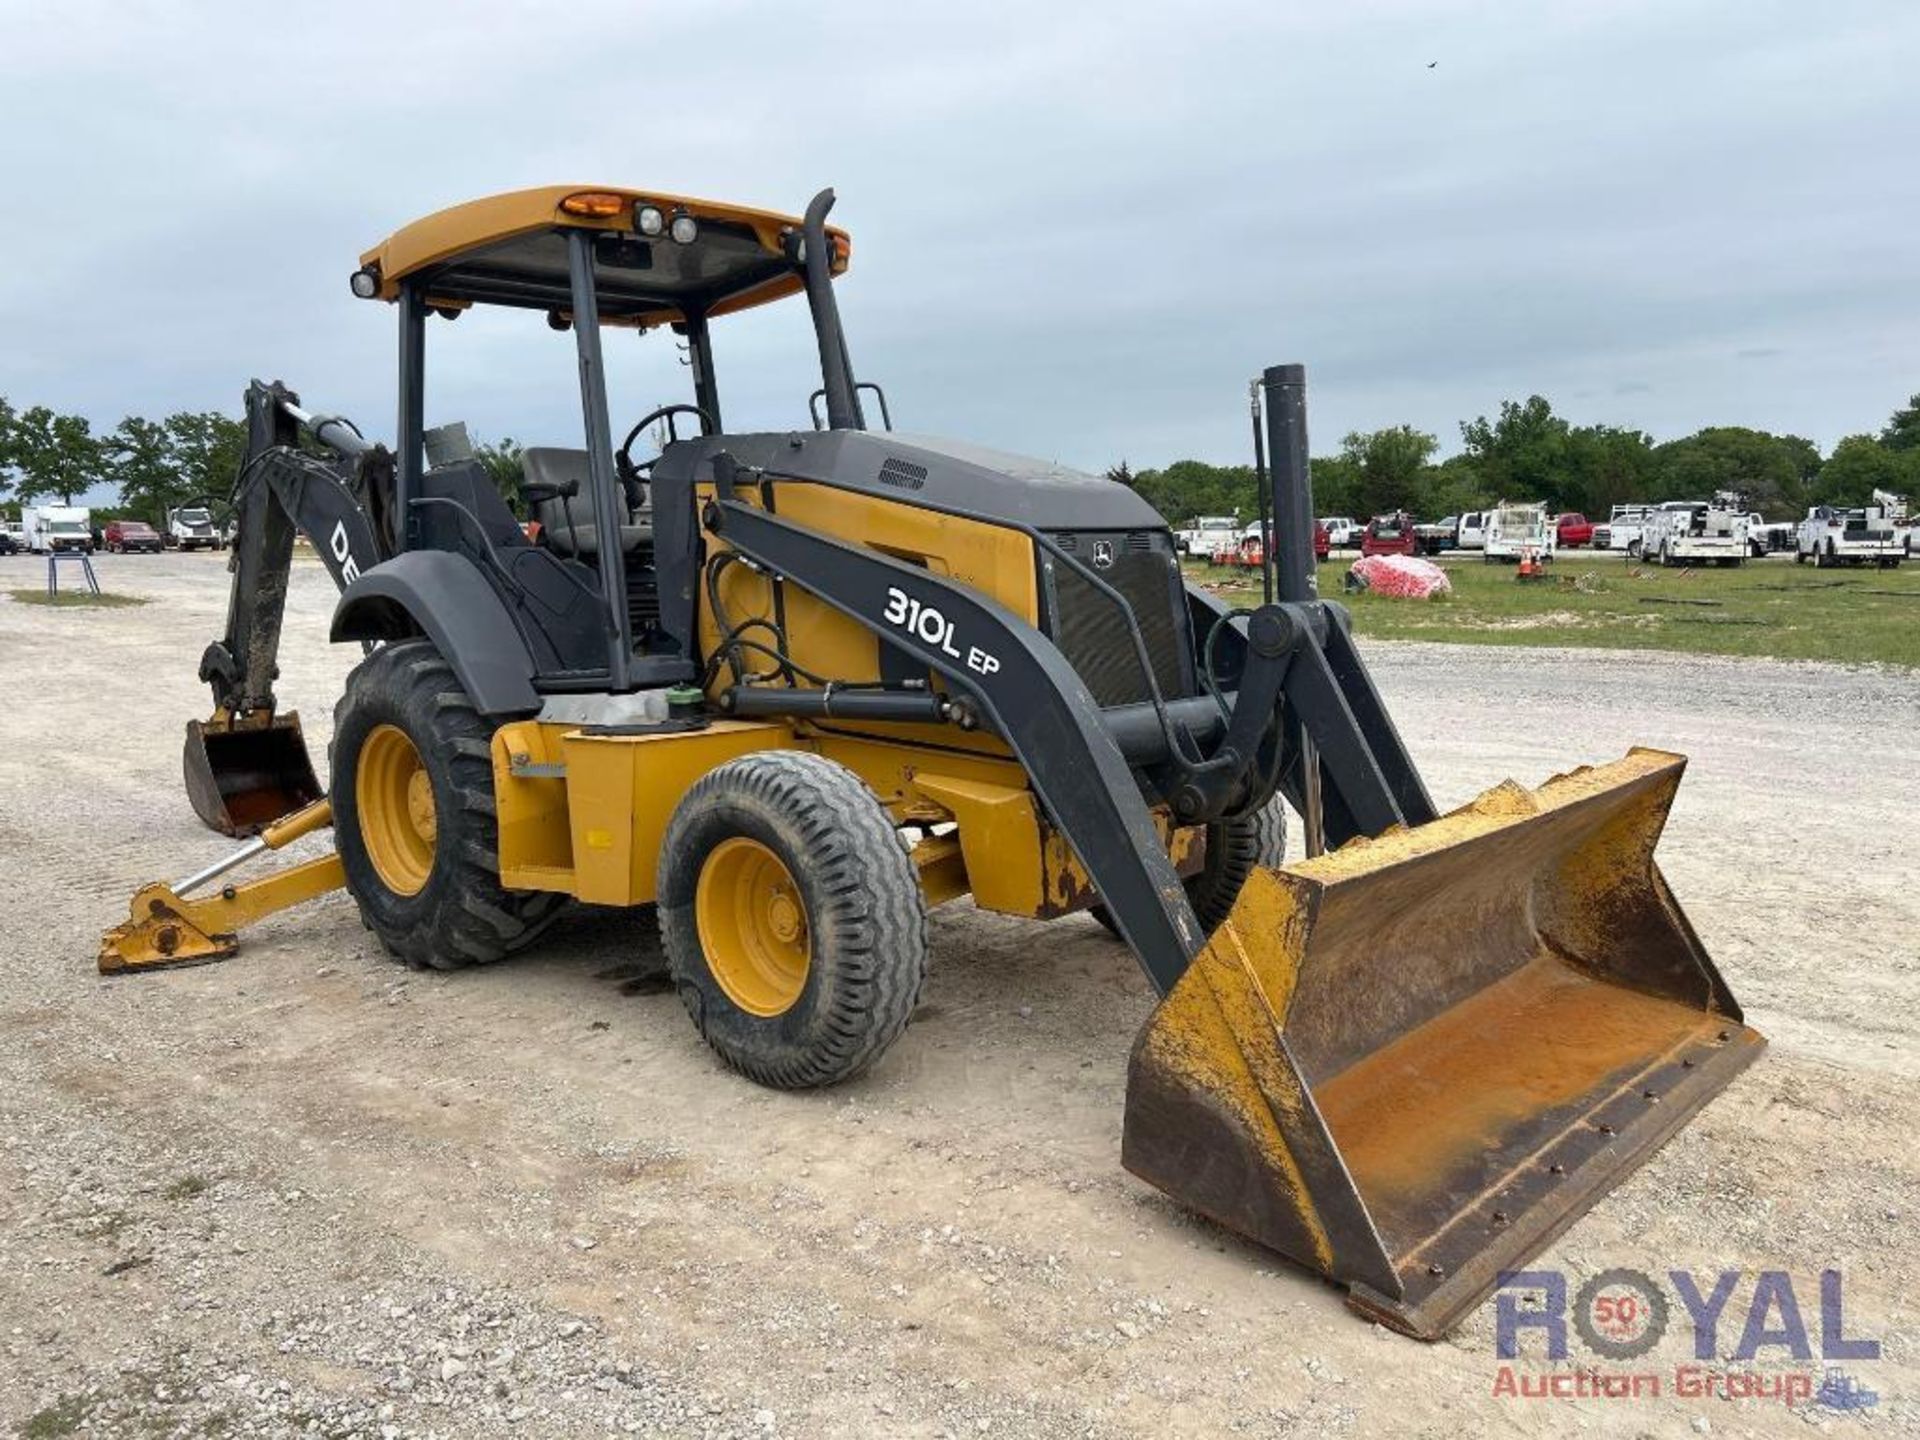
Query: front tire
column 792, row 918
column 414, row 818
column 1234, row 848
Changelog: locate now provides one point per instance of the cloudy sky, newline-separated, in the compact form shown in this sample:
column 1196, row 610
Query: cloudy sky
column 1078, row 228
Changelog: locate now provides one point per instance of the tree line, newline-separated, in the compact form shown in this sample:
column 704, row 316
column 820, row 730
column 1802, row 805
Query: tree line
column 154, row 465
column 1527, row 452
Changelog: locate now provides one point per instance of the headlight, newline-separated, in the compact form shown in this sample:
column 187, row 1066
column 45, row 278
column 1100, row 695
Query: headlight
column 648, row 220
column 684, row 230
column 365, row 284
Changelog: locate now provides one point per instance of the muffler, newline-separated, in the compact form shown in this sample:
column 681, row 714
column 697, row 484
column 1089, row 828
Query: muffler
column 242, row 775
column 1412, row 1062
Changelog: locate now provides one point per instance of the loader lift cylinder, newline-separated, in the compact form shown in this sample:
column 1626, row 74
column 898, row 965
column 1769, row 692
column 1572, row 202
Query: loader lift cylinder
column 1286, row 397
column 1285, row 388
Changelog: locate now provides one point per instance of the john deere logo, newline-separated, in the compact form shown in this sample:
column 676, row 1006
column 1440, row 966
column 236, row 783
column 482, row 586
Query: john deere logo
column 1103, row 553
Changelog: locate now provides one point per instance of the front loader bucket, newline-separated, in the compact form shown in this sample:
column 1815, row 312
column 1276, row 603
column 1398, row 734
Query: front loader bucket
column 1411, row 1063
column 242, row 776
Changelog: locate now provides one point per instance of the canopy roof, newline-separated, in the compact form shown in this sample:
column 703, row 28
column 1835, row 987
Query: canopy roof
column 511, row 249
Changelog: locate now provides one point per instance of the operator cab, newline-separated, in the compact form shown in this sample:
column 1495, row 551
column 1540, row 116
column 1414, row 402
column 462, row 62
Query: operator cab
column 589, row 258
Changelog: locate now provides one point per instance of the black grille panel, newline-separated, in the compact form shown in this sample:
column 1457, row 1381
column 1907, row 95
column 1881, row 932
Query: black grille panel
column 904, row 473
column 1092, row 632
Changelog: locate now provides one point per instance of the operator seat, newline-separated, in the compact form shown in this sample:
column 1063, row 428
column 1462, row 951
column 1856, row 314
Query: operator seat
column 554, row 465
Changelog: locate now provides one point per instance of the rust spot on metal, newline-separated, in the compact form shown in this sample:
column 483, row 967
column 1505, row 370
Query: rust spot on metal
column 1454, row 1090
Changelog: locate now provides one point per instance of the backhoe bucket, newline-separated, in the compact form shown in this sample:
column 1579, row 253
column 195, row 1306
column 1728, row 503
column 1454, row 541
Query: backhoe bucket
column 1412, row 1062
column 242, row 776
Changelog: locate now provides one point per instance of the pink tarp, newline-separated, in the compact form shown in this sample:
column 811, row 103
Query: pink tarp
column 1401, row 576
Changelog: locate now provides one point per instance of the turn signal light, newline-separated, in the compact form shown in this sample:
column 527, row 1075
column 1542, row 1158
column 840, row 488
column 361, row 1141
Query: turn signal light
column 597, row 204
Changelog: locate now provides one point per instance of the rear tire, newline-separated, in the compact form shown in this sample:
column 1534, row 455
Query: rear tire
column 792, row 918
column 414, row 819
column 1234, row 848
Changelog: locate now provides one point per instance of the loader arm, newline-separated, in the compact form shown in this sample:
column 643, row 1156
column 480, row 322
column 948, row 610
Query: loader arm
column 247, row 765
column 1293, row 659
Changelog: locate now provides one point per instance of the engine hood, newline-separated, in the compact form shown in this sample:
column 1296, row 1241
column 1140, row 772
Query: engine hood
column 938, row 473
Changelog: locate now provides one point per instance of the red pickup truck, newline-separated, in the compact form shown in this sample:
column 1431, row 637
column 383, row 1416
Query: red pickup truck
column 1572, row 530
column 1390, row 535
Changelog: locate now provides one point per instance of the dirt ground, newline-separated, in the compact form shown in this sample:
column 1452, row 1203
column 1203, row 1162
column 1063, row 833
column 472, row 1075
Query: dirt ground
column 309, row 1192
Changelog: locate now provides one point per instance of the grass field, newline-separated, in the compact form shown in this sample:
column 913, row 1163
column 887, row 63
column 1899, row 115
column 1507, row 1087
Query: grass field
column 1768, row 607
column 76, row 599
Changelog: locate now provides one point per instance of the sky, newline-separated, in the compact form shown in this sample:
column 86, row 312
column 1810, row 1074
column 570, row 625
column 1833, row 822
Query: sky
column 1078, row 229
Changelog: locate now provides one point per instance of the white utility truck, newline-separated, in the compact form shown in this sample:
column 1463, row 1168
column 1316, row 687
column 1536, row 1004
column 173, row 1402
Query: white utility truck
column 1623, row 529
column 1202, row 536
column 1696, row 532
column 1831, row 535
column 1514, row 530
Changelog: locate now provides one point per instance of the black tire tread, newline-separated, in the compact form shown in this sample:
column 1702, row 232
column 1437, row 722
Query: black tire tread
column 476, row 920
column 1234, row 847
column 872, row 940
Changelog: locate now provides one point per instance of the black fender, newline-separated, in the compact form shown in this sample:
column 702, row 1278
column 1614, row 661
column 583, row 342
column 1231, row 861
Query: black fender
column 444, row 597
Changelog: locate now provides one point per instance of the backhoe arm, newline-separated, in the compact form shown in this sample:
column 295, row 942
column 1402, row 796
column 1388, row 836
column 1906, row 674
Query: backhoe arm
column 247, row 765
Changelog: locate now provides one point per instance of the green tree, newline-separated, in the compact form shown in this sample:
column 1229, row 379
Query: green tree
column 1337, row 486
column 207, row 448
column 54, row 454
column 1188, row 488
column 1902, row 432
column 146, row 469
column 1453, row 487
column 1775, row 472
column 1860, row 465
column 505, row 463
column 1521, row 455
column 9, row 474
column 1389, row 467
column 1604, row 466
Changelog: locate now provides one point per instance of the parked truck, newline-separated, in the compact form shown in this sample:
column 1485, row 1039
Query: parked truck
column 1516, row 530
column 1622, row 530
column 1769, row 537
column 58, row 527
column 191, row 527
column 1206, row 534
column 1834, row 536
column 1906, row 524
column 1696, row 532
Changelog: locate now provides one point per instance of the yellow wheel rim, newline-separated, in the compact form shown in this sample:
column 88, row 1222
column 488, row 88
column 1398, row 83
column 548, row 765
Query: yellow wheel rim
column 753, row 926
column 398, row 823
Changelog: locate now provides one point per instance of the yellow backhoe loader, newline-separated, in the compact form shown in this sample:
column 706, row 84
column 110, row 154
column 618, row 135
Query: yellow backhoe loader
column 793, row 688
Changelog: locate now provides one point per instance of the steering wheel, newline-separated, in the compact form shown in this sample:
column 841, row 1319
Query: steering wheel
column 632, row 475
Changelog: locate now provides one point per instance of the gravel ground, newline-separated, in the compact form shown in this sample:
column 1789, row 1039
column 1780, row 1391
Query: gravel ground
column 307, row 1192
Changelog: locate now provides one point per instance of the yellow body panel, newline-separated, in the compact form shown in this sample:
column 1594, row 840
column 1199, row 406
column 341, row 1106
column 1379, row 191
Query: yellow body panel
column 595, row 831
column 996, row 561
